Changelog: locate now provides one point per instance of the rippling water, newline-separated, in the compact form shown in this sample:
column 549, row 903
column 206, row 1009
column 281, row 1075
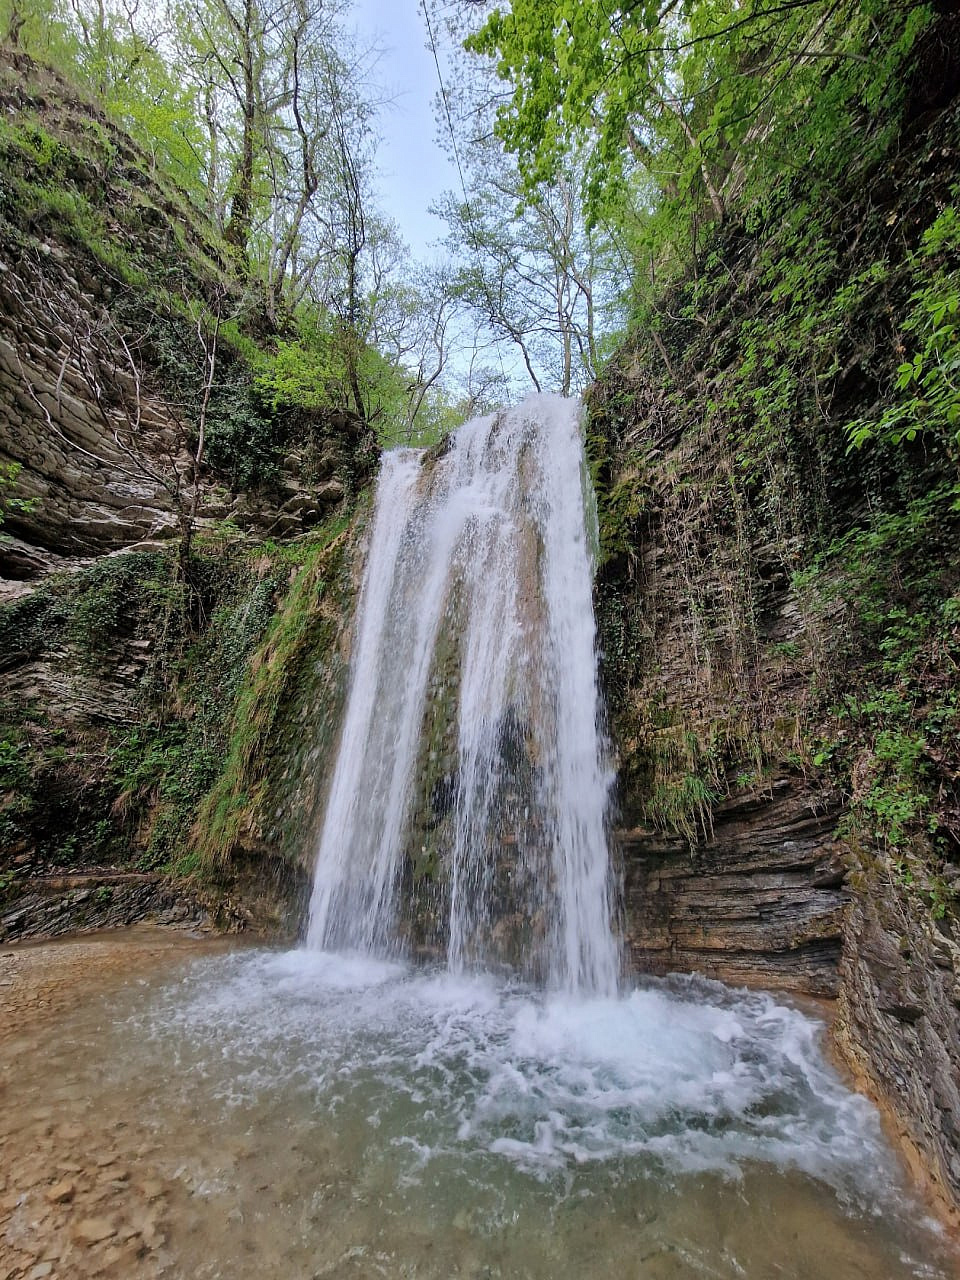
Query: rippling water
column 339, row 1116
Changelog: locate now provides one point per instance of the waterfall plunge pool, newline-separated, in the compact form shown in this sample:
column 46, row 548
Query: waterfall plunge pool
column 317, row 1114
column 323, row 1115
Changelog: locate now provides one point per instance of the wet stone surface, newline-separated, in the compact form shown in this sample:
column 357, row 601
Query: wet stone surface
column 80, row 1192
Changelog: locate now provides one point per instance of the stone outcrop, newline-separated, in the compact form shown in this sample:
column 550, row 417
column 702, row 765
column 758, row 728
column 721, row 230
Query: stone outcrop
column 777, row 616
column 152, row 607
column 100, row 260
column 99, row 483
column 67, row 904
column 758, row 899
column 105, row 458
column 267, row 898
column 898, row 1026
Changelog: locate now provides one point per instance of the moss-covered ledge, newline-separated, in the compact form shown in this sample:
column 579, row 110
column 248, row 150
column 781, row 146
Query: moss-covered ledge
column 181, row 729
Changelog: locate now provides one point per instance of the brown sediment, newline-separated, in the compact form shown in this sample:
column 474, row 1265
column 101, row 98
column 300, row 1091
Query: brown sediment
column 80, row 1195
column 40, row 980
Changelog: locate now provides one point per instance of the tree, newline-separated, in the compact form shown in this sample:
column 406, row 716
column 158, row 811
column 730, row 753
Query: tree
column 528, row 265
column 694, row 99
column 236, row 52
column 534, row 272
column 41, row 28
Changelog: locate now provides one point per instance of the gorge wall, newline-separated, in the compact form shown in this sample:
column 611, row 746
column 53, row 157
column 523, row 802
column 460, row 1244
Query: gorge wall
column 168, row 623
column 780, row 618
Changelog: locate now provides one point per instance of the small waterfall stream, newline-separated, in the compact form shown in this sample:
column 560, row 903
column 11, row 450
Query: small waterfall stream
column 477, row 603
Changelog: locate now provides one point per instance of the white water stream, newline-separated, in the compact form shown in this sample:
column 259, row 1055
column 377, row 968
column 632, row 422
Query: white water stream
column 477, row 596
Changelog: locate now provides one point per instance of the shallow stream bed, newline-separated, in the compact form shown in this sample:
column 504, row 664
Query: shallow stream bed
column 209, row 1112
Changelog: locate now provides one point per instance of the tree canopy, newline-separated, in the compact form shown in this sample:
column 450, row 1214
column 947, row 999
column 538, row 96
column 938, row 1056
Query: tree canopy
column 694, row 103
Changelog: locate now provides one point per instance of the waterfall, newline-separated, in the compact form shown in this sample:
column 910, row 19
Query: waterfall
column 471, row 740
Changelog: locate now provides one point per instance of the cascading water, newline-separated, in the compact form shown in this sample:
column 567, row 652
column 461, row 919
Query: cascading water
column 354, row 1115
column 476, row 613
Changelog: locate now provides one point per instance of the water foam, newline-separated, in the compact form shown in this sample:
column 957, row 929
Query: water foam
column 675, row 1077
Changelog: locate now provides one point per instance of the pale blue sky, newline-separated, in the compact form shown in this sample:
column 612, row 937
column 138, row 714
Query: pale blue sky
column 414, row 170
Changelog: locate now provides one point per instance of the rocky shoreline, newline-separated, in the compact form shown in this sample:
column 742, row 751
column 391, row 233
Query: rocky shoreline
column 80, row 1195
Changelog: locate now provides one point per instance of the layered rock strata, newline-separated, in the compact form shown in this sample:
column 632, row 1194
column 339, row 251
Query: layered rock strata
column 758, row 899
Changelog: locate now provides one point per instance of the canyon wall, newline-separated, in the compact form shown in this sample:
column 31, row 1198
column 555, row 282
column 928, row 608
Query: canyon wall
column 779, row 615
column 174, row 625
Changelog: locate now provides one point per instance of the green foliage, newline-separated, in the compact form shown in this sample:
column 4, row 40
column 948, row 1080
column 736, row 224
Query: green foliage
column 8, row 477
column 53, row 188
column 309, row 373
column 8, row 884
column 46, row 151
column 682, row 804
column 46, row 200
column 306, row 372
column 895, row 799
column 926, row 392
column 245, row 440
column 894, row 718
column 688, row 114
column 46, row 30
column 136, row 595
column 186, row 774
column 133, row 594
column 14, row 764
column 131, row 788
column 620, row 498
column 301, row 627
column 162, row 764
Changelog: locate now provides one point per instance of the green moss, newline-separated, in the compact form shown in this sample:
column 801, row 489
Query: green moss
column 33, row 145
column 302, row 628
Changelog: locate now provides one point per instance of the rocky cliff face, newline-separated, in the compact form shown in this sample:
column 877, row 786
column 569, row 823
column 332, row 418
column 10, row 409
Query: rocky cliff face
column 779, row 622
column 107, row 278
column 172, row 629
column 167, row 743
column 759, row 900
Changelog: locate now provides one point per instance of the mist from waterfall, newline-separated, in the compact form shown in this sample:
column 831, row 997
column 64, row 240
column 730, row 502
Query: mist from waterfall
column 473, row 695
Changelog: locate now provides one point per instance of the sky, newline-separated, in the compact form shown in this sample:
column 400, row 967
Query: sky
column 414, row 169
